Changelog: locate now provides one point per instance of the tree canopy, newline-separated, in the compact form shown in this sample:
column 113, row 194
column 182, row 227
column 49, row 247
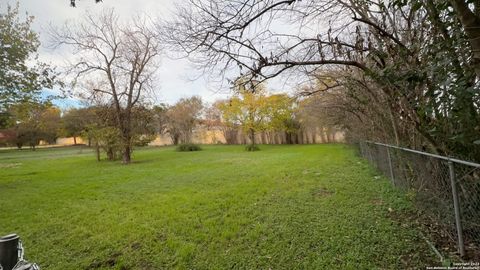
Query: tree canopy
column 22, row 76
column 73, row 3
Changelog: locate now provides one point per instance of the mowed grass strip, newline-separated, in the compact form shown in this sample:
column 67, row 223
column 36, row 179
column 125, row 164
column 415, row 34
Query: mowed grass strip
column 284, row 207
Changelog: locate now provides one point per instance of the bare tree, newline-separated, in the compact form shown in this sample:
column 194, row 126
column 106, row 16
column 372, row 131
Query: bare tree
column 249, row 35
column 468, row 14
column 114, row 62
column 416, row 62
column 266, row 38
column 73, row 3
column 182, row 119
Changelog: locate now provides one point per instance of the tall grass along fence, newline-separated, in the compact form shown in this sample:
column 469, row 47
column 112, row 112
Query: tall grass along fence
column 445, row 190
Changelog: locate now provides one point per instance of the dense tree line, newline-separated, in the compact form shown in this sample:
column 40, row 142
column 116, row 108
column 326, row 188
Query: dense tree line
column 29, row 123
column 246, row 117
column 22, row 76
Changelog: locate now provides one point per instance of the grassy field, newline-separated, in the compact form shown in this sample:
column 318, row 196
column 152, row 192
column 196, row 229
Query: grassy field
column 285, row 207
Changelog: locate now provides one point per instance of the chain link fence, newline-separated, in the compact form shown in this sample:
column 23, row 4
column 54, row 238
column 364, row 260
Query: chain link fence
column 445, row 190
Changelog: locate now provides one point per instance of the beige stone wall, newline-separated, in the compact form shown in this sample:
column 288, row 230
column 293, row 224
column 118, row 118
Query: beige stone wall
column 161, row 140
column 204, row 136
column 70, row 141
column 208, row 137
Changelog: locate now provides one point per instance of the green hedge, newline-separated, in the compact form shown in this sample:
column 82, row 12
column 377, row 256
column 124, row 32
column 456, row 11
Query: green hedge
column 187, row 147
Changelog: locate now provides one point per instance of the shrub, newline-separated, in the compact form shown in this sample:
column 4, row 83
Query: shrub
column 107, row 139
column 187, row 147
column 252, row 148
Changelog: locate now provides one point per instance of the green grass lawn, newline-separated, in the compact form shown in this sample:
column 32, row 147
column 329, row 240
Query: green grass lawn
column 285, row 207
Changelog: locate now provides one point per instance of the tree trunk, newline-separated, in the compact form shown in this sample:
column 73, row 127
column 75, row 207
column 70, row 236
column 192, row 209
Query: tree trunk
column 394, row 126
column 330, row 136
column 175, row 139
column 110, row 154
column 97, row 150
column 252, row 136
column 127, row 150
column 126, row 154
column 288, row 138
column 74, row 140
column 126, row 137
column 471, row 24
column 264, row 137
column 323, row 135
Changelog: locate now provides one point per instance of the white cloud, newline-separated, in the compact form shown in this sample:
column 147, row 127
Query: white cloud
column 174, row 75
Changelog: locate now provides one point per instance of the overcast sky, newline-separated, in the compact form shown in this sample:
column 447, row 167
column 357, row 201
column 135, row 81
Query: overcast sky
column 175, row 75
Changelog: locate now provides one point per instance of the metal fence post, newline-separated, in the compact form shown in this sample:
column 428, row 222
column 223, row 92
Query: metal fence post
column 390, row 166
column 458, row 222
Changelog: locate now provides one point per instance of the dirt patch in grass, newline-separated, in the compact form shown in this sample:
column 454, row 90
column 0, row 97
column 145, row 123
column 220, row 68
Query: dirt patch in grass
column 136, row 245
column 10, row 165
column 111, row 261
column 322, row 192
column 377, row 202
